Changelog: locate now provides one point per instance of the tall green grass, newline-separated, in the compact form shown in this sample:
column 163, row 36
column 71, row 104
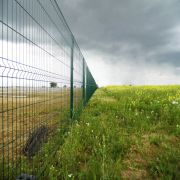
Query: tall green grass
column 123, row 133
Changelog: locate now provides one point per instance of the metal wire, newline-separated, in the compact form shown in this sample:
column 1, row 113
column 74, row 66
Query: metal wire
column 43, row 77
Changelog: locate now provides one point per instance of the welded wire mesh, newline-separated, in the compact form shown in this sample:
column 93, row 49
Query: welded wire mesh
column 43, row 78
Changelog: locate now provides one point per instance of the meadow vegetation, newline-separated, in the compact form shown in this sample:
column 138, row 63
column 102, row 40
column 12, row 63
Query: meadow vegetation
column 30, row 117
column 24, row 112
column 125, row 132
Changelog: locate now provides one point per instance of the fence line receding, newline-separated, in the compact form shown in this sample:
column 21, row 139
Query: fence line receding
column 43, row 79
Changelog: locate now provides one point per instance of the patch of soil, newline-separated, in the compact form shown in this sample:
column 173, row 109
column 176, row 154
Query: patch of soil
column 35, row 141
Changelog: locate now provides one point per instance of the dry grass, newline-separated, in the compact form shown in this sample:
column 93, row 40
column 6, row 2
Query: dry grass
column 21, row 113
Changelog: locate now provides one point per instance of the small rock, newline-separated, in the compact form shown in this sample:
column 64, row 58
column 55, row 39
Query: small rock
column 26, row 177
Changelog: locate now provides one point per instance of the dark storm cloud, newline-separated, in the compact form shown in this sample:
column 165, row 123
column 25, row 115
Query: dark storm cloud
column 124, row 40
column 128, row 28
column 170, row 57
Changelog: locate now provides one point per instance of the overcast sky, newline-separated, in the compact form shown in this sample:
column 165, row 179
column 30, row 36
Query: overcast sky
column 127, row 41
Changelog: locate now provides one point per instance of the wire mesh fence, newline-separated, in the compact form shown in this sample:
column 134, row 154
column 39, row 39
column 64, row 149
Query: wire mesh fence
column 44, row 80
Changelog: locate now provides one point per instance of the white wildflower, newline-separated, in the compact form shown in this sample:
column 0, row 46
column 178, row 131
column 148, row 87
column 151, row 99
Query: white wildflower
column 87, row 124
column 174, row 102
column 52, row 168
column 70, row 175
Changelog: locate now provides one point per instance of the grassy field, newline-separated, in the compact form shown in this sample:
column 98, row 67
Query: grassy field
column 126, row 132
column 22, row 112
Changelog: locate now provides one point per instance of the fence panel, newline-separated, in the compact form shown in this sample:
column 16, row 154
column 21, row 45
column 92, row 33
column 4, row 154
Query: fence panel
column 43, row 77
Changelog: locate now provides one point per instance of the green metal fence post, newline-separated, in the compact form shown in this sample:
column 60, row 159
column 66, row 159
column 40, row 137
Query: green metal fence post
column 87, row 84
column 71, row 83
column 84, row 85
